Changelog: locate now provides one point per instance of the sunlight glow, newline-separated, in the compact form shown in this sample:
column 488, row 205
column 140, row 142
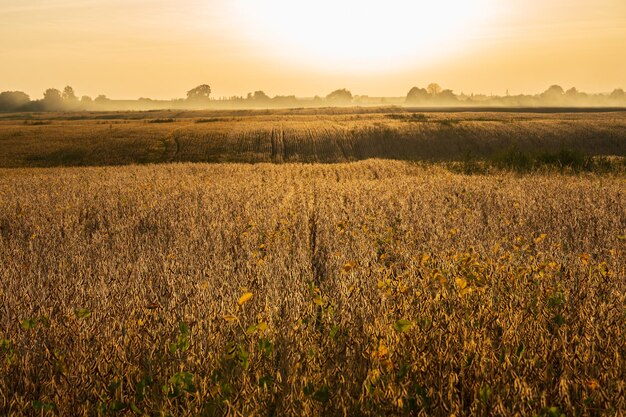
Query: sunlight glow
column 364, row 35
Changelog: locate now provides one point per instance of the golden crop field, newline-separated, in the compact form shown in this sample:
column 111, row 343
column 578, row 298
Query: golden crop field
column 308, row 135
column 373, row 287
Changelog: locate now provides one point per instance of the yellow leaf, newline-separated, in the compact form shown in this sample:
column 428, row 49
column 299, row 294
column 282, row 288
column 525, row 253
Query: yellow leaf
column 229, row 318
column 465, row 291
column 349, row 266
column 262, row 326
column 584, row 258
column 381, row 352
column 439, row 277
column 461, row 283
column 245, row 297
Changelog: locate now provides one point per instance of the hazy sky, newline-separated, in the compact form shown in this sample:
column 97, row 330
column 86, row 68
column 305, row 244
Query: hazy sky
column 161, row 49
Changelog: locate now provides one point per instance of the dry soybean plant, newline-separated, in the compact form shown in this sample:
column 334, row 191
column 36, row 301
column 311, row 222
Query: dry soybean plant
column 371, row 288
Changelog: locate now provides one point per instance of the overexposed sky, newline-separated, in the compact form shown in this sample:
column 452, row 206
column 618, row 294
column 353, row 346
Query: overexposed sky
column 161, row 49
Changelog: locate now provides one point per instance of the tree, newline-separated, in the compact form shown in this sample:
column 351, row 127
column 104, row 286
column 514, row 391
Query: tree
column 553, row 94
column 52, row 99
column 618, row 94
column 285, row 101
column 69, row 95
column 447, row 97
column 341, row 96
column 101, row 100
column 201, row 92
column 52, row 94
column 434, row 89
column 573, row 95
column 69, row 98
column 417, row 95
column 258, row 96
column 13, row 100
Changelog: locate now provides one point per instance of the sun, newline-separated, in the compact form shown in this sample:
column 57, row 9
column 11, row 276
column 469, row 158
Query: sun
column 363, row 35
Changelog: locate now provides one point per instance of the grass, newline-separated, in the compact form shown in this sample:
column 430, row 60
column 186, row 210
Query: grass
column 564, row 161
column 369, row 288
column 168, row 120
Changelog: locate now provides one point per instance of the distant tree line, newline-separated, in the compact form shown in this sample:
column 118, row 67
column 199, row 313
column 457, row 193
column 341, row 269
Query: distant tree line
column 200, row 97
column 554, row 96
column 53, row 100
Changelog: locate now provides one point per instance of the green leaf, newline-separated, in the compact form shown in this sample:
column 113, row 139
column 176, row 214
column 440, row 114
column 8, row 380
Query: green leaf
column 82, row 313
column 556, row 300
column 117, row 406
column 42, row 406
column 266, row 347
column 402, row 372
column 45, row 321
column 559, row 320
column 422, row 395
column 216, row 376
column 266, row 381
column 485, row 393
column 140, row 388
column 425, row 323
column 309, row 389
column 321, row 395
column 334, row 330
column 402, row 326
column 230, row 351
column 181, row 381
column 244, row 357
column 226, row 389
column 28, row 324
column 113, row 386
column 182, row 343
column 554, row 412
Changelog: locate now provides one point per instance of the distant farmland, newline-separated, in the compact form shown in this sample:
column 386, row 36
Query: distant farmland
column 337, row 135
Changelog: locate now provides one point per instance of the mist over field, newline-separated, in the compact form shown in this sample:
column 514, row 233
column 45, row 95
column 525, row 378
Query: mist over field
column 431, row 97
